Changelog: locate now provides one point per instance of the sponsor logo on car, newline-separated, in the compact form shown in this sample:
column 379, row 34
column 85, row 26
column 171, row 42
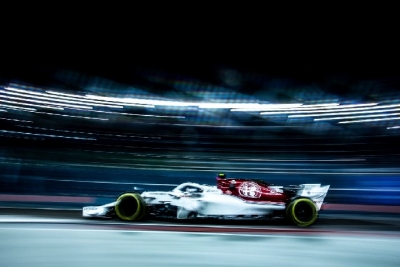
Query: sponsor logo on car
column 250, row 189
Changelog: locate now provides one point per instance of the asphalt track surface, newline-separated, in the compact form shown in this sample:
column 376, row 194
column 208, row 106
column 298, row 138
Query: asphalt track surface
column 38, row 237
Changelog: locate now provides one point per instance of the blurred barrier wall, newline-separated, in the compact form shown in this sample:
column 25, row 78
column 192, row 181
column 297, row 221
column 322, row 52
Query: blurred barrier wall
column 27, row 183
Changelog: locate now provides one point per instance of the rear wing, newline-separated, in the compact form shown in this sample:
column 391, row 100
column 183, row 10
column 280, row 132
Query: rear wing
column 315, row 192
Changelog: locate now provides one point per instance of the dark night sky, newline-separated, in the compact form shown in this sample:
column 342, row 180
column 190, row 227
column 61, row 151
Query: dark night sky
column 333, row 54
column 111, row 43
column 37, row 62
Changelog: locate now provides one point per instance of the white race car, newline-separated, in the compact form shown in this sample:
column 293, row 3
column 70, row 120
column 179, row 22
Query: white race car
column 230, row 199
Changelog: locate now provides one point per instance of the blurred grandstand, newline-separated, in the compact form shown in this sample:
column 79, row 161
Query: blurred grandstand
column 221, row 109
column 270, row 117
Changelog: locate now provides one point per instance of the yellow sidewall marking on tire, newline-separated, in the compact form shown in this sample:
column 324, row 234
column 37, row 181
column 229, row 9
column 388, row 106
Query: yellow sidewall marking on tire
column 292, row 207
column 136, row 214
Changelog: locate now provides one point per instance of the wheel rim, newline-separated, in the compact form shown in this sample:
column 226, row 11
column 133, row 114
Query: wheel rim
column 304, row 212
column 128, row 206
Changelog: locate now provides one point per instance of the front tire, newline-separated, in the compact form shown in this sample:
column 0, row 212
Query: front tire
column 302, row 212
column 130, row 207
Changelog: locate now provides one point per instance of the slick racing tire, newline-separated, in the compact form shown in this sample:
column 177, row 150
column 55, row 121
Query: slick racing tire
column 130, row 207
column 302, row 212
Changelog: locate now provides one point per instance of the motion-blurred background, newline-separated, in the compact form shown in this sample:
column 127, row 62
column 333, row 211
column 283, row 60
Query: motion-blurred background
column 87, row 113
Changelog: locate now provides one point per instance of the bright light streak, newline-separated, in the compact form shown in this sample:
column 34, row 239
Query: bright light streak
column 248, row 106
column 371, row 120
column 358, row 117
column 56, row 130
column 64, row 94
column 29, row 104
column 320, row 105
column 159, row 116
column 15, row 120
column 66, row 131
column 25, row 91
column 212, row 105
column 138, row 101
column 313, row 108
column 134, row 114
column 351, row 105
column 370, row 110
column 45, row 102
column 282, row 107
column 47, row 135
column 40, row 97
column 84, row 100
column 19, row 92
column 295, row 108
column 331, row 109
column 63, row 115
column 3, row 110
column 393, row 127
column 161, row 102
column 17, row 108
column 137, row 105
column 123, row 101
column 101, row 99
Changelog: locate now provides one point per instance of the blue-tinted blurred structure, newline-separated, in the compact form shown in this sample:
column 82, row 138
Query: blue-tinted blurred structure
column 91, row 136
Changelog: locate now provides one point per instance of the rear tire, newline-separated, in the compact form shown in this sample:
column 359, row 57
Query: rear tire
column 302, row 212
column 130, row 207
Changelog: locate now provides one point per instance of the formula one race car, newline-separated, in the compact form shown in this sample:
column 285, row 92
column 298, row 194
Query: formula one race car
column 230, row 199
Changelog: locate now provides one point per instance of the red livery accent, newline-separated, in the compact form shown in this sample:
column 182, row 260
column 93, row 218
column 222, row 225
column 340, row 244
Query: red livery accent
column 251, row 190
